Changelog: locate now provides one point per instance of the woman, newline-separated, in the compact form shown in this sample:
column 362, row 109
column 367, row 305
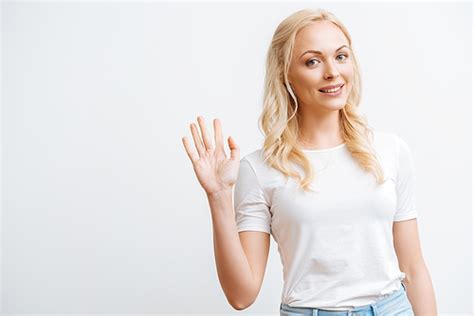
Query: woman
column 337, row 196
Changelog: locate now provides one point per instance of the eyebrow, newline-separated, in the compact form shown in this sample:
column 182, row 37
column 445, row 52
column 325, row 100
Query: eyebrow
column 318, row 52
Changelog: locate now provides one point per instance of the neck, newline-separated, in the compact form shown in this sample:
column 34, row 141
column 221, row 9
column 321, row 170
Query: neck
column 320, row 131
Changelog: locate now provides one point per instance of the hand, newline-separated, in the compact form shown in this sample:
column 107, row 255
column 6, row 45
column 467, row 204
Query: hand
column 215, row 172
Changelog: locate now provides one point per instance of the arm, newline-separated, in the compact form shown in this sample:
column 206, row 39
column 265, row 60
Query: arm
column 234, row 259
column 217, row 174
column 418, row 281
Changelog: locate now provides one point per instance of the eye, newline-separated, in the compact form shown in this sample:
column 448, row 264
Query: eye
column 308, row 63
column 342, row 55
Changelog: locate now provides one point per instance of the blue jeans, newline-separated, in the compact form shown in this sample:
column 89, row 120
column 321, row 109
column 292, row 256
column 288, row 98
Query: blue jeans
column 396, row 303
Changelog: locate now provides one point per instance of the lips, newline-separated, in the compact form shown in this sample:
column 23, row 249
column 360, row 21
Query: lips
column 331, row 87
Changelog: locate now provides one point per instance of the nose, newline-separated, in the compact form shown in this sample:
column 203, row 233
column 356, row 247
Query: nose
column 331, row 71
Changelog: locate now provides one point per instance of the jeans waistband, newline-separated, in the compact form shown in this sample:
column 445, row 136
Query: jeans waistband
column 380, row 302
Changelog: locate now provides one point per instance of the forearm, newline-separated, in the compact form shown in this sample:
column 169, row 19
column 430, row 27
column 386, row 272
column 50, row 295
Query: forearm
column 233, row 269
column 420, row 292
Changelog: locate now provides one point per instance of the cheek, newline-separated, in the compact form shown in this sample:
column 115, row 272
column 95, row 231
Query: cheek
column 309, row 79
column 348, row 76
column 349, row 72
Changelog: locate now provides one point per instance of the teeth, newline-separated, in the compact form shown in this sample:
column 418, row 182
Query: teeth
column 332, row 90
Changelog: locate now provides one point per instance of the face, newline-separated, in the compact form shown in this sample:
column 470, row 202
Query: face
column 310, row 71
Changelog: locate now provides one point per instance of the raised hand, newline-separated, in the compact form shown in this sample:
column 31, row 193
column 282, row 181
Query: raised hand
column 214, row 170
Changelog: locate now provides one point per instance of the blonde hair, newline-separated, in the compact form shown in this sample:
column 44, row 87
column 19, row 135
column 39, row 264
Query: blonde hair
column 278, row 120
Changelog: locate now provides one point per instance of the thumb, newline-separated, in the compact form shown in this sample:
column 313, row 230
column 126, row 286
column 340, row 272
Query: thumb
column 234, row 149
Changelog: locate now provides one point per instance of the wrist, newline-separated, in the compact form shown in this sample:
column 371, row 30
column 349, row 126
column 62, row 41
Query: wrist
column 217, row 195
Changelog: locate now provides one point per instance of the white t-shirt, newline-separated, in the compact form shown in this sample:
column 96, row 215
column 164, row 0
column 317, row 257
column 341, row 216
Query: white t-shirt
column 336, row 245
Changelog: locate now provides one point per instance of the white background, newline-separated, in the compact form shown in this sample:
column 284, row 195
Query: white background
column 101, row 209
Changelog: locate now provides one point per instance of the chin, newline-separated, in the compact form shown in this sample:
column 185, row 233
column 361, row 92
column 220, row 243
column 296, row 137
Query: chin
column 331, row 108
column 335, row 106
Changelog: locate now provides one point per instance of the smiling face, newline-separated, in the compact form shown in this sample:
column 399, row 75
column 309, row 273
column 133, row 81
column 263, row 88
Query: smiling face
column 311, row 71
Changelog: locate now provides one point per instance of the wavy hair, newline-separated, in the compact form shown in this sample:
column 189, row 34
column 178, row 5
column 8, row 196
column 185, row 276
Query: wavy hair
column 279, row 118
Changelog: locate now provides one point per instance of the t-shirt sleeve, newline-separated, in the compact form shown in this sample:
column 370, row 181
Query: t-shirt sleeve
column 405, row 184
column 252, row 210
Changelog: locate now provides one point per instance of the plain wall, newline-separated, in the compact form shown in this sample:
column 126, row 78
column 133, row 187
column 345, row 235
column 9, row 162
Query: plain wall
column 101, row 209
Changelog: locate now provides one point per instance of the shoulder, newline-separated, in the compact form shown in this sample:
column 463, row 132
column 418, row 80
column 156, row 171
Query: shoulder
column 266, row 174
column 254, row 159
column 390, row 144
column 383, row 142
column 253, row 155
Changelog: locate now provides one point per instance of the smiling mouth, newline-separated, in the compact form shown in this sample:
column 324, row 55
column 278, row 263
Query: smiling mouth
column 331, row 90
